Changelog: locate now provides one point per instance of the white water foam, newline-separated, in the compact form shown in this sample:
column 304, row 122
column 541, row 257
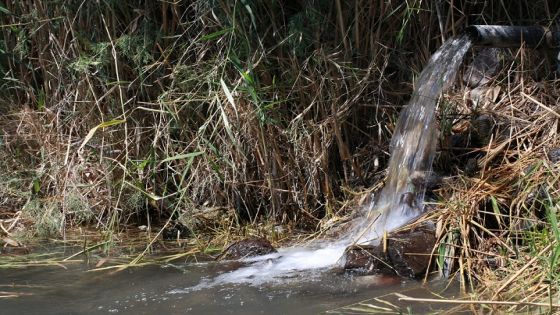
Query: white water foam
column 288, row 264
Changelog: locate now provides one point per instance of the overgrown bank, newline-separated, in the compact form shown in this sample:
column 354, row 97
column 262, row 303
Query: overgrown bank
column 221, row 114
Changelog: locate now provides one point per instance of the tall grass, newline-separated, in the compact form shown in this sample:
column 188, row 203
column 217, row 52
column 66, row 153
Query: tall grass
column 144, row 110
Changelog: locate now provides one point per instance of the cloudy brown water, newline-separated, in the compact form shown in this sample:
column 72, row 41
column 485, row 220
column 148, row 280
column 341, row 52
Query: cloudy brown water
column 172, row 289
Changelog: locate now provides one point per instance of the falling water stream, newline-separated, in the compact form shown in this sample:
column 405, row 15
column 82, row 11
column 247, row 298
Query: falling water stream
column 292, row 271
column 413, row 146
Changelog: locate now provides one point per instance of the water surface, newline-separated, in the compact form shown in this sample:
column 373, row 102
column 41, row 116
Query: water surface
column 182, row 288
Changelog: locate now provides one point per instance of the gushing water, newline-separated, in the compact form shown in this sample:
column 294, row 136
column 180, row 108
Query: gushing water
column 413, row 146
column 400, row 201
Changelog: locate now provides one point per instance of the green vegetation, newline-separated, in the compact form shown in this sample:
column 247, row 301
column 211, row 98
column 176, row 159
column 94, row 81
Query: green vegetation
column 234, row 117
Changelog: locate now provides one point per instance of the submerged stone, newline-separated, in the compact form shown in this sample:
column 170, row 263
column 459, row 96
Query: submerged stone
column 405, row 253
column 248, row 247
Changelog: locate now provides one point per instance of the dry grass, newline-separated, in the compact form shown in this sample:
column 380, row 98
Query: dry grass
column 498, row 227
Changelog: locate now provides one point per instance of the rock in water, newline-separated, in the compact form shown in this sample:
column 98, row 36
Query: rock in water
column 248, row 247
column 407, row 254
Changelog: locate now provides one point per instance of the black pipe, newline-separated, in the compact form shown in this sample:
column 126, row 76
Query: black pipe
column 513, row 36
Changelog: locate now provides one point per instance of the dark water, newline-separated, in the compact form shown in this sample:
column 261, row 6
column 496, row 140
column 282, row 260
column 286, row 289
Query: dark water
column 168, row 289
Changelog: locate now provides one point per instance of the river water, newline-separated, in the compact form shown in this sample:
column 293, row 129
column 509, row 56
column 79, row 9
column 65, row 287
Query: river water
column 176, row 289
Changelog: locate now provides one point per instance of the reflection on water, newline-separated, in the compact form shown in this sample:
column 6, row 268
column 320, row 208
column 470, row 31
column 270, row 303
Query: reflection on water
column 169, row 289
